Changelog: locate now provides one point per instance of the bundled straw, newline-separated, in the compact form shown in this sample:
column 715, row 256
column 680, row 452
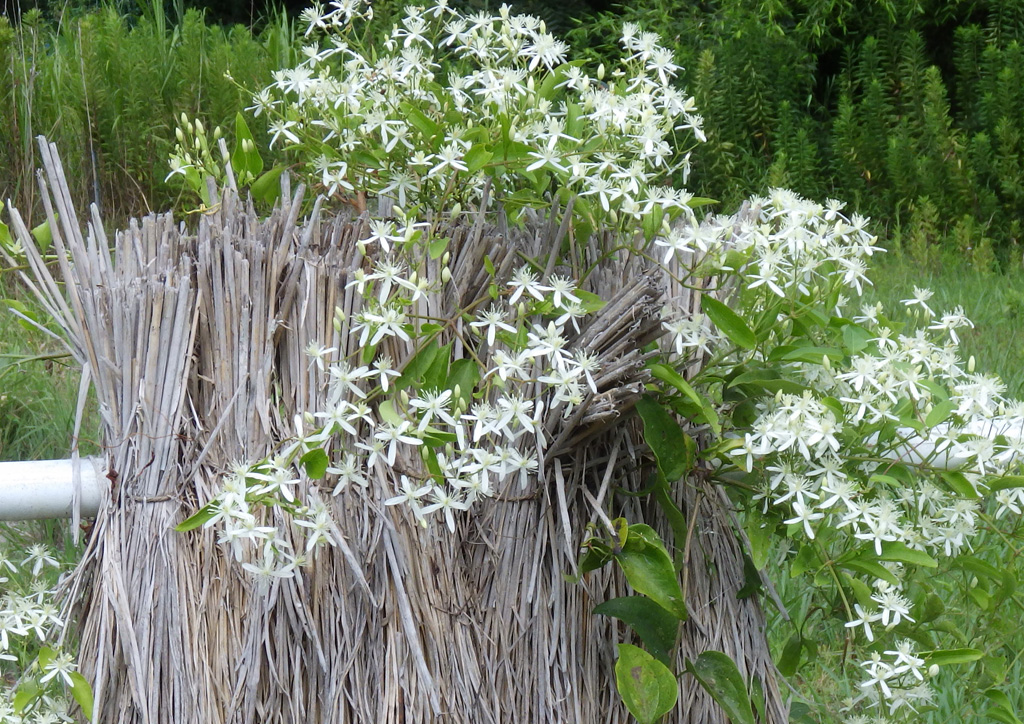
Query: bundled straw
column 195, row 344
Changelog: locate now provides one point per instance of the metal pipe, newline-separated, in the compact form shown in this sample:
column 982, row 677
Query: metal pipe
column 39, row 489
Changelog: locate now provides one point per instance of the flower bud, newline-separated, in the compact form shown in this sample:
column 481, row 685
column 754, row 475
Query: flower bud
column 600, row 72
column 184, row 119
column 179, row 135
column 933, row 670
column 199, row 127
column 308, row 417
column 404, row 397
column 971, row 364
column 445, row 258
column 826, row 362
column 217, row 133
column 446, row 275
column 337, row 324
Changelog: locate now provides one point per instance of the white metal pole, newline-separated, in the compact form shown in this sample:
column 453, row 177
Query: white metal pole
column 45, row 488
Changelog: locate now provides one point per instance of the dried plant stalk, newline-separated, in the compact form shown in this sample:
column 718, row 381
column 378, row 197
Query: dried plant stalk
column 195, row 343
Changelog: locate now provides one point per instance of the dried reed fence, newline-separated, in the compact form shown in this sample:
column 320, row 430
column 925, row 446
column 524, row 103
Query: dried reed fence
column 195, row 345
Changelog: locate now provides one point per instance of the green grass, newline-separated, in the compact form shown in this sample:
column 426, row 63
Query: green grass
column 109, row 89
column 38, row 390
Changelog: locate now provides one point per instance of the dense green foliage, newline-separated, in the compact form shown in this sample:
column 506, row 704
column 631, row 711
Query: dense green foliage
column 908, row 109
column 107, row 88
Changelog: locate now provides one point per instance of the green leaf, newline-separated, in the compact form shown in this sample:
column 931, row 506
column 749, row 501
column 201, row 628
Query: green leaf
column 806, row 560
column 652, row 222
column 931, row 609
column 856, row 337
column 718, row 674
column 698, row 201
column 768, row 380
column 759, row 533
column 1005, row 716
column 43, row 235
column 464, row 373
column 436, row 375
column 896, row 551
column 790, row 660
column 728, row 322
column 959, row 484
column 477, row 157
column 419, row 120
column 1002, row 709
column 198, row 519
column 939, row 413
column 416, row 368
column 649, row 569
column 1006, row 482
column 872, row 568
column 436, row 248
column 46, row 656
column 655, row 626
column 807, row 353
column 246, row 163
column 980, row 568
column 82, row 692
column 315, row 462
column 388, row 413
column 947, row 657
column 267, row 188
column 647, row 686
column 597, row 556
column 670, row 376
column 27, row 691
column 673, row 449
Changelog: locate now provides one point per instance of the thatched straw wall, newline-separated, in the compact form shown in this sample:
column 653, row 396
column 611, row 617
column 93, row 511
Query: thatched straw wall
column 195, row 344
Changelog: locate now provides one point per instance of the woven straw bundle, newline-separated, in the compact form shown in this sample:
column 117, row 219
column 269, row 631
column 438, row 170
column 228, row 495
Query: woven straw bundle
column 195, row 344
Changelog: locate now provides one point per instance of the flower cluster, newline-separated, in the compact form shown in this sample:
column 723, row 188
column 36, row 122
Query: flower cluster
column 444, row 432
column 866, row 432
column 451, row 102
column 28, row 618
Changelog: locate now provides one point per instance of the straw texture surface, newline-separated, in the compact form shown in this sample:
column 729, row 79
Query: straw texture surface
column 195, row 344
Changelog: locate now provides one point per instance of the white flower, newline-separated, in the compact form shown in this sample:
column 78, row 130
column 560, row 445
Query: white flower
column 920, row 299
column 806, row 515
column 39, row 556
column 446, row 503
column 863, row 619
column 433, row 404
column 63, row 665
column 492, row 320
column 392, row 434
column 525, row 280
